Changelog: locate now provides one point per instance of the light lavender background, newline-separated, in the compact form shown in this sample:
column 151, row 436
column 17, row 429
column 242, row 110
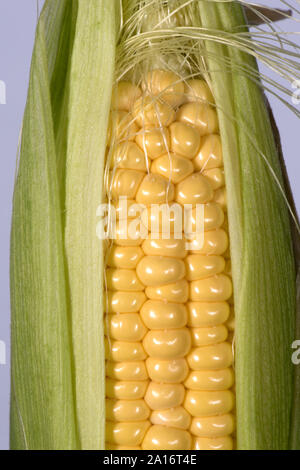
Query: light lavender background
column 17, row 24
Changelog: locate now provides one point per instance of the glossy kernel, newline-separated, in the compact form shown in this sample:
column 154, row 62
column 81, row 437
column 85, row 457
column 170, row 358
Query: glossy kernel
column 155, row 189
column 174, row 292
column 126, row 327
column 172, row 166
column 170, row 247
column 222, row 379
column 161, row 315
column 185, row 139
column 210, row 153
column 215, row 288
column 217, row 356
column 124, row 257
column 175, row 418
column 170, row 371
column 154, row 142
column 126, row 434
column 153, row 270
column 161, row 396
column 150, row 111
column 167, row 344
column 200, row 115
column 194, row 189
column 202, row 266
column 127, row 410
column 124, row 95
column 213, row 426
column 166, row 84
column 123, row 390
column 123, row 279
column 126, row 371
column 205, row 314
column 208, row 403
column 162, row 437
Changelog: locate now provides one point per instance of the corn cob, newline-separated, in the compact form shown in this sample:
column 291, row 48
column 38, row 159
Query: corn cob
column 180, row 342
column 169, row 374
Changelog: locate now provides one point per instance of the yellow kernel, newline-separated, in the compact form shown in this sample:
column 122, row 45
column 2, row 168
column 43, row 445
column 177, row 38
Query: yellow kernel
column 174, row 292
column 128, row 155
column 185, row 139
column 121, row 127
column 154, row 270
column 200, row 115
column 206, row 336
column 158, row 315
column 124, row 95
column 208, row 403
column 174, row 248
column 125, row 182
column 210, row 153
column 166, row 84
column 215, row 242
column 167, row 344
column 202, row 266
column 212, row 289
column 173, row 167
column 124, row 302
column 212, row 357
column 175, row 418
column 166, row 438
column 126, row 434
column 126, row 327
column 163, row 220
column 124, row 257
column 213, row 217
column 198, row 90
column 195, row 189
column 172, row 371
column 216, row 177
column 154, row 142
column 128, row 235
column 222, row 379
column 126, row 390
column 119, row 351
column 123, row 279
column 155, row 189
column 205, row 314
column 221, row 198
column 231, row 321
column 126, row 410
column 127, row 208
column 164, row 396
column 127, row 371
column 149, row 111
column 213, row 426
column 216, row 443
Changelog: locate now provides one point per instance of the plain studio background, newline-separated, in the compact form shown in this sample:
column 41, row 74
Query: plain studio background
column 17, row 25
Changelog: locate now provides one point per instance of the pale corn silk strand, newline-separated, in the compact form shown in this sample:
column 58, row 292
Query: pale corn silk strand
column 151, row 424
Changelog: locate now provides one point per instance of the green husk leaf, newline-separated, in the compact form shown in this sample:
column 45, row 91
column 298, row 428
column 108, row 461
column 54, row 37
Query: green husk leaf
column 42, row 399
column 92, row 72
column 263, row 262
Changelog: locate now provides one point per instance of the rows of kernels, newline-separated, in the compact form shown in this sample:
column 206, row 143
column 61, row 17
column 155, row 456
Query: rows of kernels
column 168, row 362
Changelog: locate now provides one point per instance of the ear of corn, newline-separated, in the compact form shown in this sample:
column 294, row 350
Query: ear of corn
column 58, row 358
